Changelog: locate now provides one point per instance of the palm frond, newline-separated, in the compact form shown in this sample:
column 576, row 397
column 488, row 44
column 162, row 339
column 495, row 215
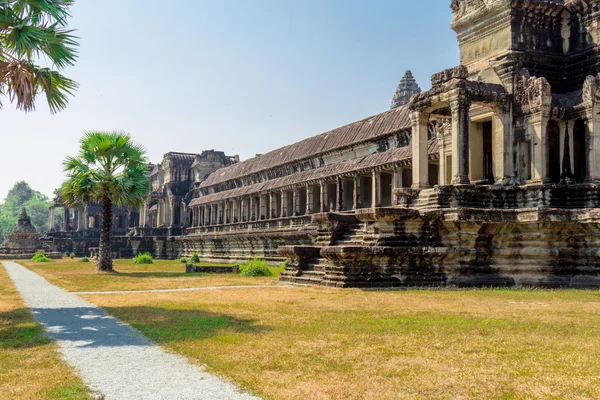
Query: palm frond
column 43, row 11
column 56, row 87
column 19, row 81
column 108, row 164
column 29, row 30
column 59, row 45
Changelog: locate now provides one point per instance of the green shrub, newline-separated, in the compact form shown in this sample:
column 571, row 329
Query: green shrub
column 256, row 267
column 64, row 255
column 285, row 263
column 183, row 260
column 40, row 257
column 72, row 255
column 84, row 259
column 143, row 258
column 195, row 258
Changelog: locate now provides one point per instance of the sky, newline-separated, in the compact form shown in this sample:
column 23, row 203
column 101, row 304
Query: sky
column 241, row 76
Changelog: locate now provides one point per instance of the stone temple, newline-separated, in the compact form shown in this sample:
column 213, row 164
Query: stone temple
column 489, row 178
column 24, row 241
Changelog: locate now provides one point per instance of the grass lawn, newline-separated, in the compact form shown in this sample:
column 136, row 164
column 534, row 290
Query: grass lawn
column 76, row 276
column 30, row 367
column 316, row 343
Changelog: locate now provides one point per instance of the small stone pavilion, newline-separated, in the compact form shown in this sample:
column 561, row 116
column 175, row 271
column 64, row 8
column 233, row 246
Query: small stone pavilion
column 24, row 241
column 489, row 178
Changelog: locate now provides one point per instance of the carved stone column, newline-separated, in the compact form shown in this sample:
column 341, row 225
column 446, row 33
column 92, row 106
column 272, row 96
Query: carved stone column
column 503, row 148
column 356, row 194
column 539, row 147
column 460, row 140
column 324, row 198
column 284, row 204
column 376, row 189
column 441, row 135
column 296, row 202
column 339, row 194
column 592, row 141
column 66, row 221
column 310, row 196
column 420, row 158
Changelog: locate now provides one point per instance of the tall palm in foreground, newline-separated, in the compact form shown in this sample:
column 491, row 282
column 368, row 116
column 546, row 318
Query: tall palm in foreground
column 31, row 30
column 109, row 169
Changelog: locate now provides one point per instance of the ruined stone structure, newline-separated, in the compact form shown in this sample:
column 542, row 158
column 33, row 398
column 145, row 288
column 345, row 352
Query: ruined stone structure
column 24, row 241
column 491, row 177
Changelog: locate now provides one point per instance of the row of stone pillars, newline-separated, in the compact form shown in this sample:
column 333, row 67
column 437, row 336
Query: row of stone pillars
column 341, row 194
column 459, row 108
column 460, row 124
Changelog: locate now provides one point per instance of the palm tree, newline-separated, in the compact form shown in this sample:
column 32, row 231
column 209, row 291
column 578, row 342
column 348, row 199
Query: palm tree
column 31, row 30
column 109, row 169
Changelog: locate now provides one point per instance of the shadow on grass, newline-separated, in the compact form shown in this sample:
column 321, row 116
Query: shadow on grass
column 164, row 325
column 150, row 274
column 85, row 327
column 18, row 331
column 167, row 274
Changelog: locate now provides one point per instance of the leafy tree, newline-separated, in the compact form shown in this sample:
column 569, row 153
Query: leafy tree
column 110, row 169
column 37, row 209
column 31, row 30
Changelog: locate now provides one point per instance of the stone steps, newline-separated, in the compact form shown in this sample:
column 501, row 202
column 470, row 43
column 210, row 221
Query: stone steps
column 427, row 200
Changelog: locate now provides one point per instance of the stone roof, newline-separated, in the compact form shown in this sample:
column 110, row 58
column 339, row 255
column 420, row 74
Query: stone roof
column 408, row 86
column 361, row 131
column 181, row 159
column 398, row 156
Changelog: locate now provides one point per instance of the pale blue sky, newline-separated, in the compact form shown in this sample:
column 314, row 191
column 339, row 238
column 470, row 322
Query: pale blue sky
column 240, row 76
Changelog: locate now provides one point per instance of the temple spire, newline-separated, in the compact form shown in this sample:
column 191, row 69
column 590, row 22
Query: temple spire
column 407, row 87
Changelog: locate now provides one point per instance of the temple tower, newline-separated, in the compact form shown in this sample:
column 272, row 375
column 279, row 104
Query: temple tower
column 407, row 87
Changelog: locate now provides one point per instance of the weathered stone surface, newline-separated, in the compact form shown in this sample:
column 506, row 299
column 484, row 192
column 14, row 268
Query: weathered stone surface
column 191, row 269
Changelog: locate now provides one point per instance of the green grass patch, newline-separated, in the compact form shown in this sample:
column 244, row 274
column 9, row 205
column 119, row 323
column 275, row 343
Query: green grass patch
column 256, row 267
column 40, row 257
column 143, row 258
column 195, row 258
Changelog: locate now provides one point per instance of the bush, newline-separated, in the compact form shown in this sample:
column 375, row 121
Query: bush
column 256, row 267
column 195, row 258
column 183, row 260
column 40, row 257
column 84, row 259
column 143, row 258
column 72, row 255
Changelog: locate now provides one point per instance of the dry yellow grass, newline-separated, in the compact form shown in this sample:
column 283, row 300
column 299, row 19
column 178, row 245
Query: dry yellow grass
column 30, row 367
column 313, row 343
column 76, row 276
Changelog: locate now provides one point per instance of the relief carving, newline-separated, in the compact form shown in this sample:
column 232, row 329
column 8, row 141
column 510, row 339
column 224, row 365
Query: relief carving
column 460, row 8
column 532, row 93
column 591, row 90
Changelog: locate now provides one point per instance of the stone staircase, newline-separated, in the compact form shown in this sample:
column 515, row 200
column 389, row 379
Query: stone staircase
column 313, row 274
column 427, row 200
column 353, row 235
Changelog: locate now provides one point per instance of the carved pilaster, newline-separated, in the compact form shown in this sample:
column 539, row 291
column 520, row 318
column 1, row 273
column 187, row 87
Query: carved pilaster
column 420, row 158
column 460, row 107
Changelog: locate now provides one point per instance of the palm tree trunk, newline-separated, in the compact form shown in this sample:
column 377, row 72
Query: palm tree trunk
column 104, row 262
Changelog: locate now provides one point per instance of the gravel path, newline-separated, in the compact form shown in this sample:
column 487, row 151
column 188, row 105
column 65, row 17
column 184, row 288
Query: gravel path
column 113, row 358
column 186, row 289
